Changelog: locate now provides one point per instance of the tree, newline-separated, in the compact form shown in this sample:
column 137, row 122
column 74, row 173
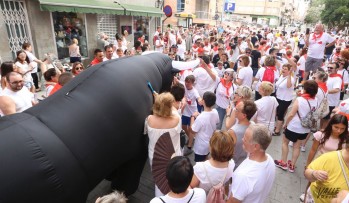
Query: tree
column 336, row 13
column 314, row 11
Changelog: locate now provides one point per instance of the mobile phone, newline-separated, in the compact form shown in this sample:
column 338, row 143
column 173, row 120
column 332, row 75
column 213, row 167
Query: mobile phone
column 307, row 31
column 279, row 54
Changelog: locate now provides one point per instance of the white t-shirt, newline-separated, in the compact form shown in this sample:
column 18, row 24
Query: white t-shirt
column 191, row 107
column 252, row 181
column 246, row 74
column 344, row 74
column 320, row 95
column 266, row 111
column 203, row 81
column 157, row 43
column 316, row 47
column 199, row 196
column 301, row 63
column 32, row 62
column 303, row 109
column 222, row 99
column 213, row 174
column 22, row 98
column 24, row 68
column 204, row 126
column 333, row 83
column 260, row 74
column 185, row 74
column 282, row 92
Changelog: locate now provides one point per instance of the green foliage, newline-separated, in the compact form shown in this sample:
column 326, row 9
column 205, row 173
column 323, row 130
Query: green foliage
column 336, row 12
column 314, row 11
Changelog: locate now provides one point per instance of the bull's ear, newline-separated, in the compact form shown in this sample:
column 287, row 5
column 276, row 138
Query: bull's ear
column 175, row 71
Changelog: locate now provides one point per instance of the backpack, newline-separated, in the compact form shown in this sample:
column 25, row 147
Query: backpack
column 324, row 109
column 217, row 193
column 310, row 120
column 268, row 75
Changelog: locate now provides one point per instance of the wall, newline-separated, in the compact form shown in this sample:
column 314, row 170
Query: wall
column 5, row 52
column 41, row 30
column 91, row 28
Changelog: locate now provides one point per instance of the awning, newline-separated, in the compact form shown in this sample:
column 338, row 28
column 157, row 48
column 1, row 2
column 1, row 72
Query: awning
column 98, row 6
column 185, row 15
column 82, row 6
column 136, row 10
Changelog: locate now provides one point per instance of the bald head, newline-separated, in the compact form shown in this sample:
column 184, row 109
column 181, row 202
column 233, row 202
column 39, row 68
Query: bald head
column 319, row 28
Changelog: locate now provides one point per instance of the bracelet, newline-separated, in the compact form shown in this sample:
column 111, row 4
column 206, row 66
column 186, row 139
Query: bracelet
column 312, row 175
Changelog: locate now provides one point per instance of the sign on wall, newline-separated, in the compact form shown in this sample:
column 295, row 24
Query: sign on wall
column 229, row 6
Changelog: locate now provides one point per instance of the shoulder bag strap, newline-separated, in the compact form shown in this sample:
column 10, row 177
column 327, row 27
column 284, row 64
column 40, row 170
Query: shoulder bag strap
column 298, row 107
column 342, row 166
column 191, row 196
column 162, row 200
column 271, row 116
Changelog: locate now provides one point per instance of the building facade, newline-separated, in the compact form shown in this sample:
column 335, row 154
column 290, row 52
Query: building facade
column 50, row 25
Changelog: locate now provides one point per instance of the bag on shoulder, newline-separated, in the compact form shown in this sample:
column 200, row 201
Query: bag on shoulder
column 310, row 120
column 324, row 108
column 218, row 193
column 268, row 75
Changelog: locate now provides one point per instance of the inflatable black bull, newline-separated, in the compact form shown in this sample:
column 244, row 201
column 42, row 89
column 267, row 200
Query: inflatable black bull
column 60, row 149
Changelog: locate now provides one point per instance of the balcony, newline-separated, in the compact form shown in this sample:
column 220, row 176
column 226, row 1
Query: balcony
column 204, row 15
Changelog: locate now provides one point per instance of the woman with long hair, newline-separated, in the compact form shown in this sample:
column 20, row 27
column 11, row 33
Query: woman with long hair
column 23, row 67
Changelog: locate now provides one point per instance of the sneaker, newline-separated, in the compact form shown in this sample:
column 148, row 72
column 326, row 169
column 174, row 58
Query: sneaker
column 290, row 144
column 280, row 164
column 301, row 198
column 187, row 151
column 290, row 167
column 303, row 148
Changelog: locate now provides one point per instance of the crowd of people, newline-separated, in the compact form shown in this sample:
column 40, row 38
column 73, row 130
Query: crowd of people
column 250, row 85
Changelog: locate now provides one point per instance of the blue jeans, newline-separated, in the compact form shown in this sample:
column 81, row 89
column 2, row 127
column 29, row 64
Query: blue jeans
column 221, row 114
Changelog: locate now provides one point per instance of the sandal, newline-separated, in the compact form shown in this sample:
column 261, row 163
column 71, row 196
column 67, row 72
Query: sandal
column 276, row 133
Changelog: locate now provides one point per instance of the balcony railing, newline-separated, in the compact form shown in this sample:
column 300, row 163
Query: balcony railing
column 204, row 15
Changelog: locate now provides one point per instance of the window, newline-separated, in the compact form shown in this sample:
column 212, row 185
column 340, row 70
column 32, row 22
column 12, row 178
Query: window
column 180, row 5
column 15, row 19
column 68, row 26
column 107, row 24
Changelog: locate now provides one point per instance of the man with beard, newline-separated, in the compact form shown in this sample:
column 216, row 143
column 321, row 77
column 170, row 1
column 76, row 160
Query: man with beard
column 15, row 98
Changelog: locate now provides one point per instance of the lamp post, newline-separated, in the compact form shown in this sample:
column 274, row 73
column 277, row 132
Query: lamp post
column 159, row 4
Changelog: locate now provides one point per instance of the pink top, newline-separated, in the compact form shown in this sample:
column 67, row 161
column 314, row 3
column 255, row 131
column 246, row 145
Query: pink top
column 330, row 145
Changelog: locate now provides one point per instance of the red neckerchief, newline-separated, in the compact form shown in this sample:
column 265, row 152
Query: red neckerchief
column 323, row 86
column 337, row 54
column 332, row 75
column 317, row 37
column 194, row 46
column 307, row 96
column 226, row 85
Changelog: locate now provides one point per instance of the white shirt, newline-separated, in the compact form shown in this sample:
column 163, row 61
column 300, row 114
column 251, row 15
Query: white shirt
column 282, row 91
column 252, row 181
column 205, row 172
column 344, row 74
column 316, row 47
column 303, row 109
column 181, row 49
column 24, row 68
column 246, row 74
column 266, row 111
column 333, row 83
column 203, row 81
column 204, row 126
column 222, row 99
column 301, row 63
column 157, row 43
column 198, row 197
column 32, row 62
column 22, row 98
column 191, row 96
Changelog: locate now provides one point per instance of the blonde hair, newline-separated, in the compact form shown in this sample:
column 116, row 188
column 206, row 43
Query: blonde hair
column 75, row 41
column 221, row 146
column 269, row 61
column 163, row 104
column 267, row 88
column 114, row 197
column 244, row 91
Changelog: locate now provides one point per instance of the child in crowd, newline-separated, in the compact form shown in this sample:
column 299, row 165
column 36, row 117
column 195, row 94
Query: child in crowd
column 203, row 125
column 191, row 96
